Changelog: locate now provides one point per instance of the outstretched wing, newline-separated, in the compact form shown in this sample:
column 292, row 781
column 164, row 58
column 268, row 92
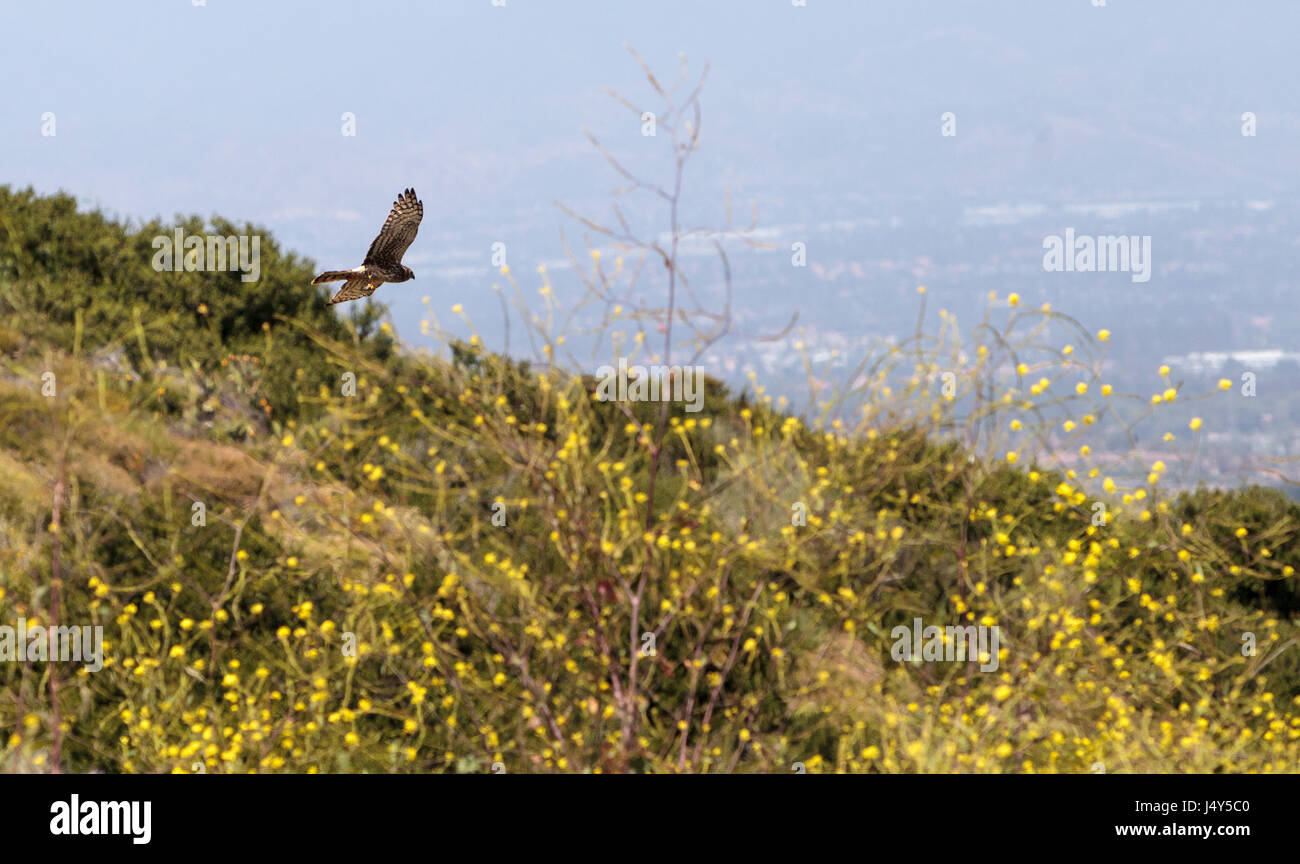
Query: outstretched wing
column 354, row 289
column 398, row 232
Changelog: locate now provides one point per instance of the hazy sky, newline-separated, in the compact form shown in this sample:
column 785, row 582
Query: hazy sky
column 830, row 110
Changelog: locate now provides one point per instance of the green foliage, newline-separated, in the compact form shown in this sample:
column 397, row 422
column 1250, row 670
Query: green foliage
column 457, row 565
column 59, row 266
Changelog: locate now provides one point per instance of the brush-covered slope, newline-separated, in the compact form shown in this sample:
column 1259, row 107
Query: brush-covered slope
column 312, row 551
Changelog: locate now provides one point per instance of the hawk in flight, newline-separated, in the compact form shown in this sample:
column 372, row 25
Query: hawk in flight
column 384, row 260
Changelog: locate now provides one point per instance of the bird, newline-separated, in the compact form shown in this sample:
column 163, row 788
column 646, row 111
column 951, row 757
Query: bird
column 384, row 260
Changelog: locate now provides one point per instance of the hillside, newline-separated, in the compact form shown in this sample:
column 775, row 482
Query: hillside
column 312, row 549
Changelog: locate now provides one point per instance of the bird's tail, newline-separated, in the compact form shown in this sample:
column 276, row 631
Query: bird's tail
column 333, row 276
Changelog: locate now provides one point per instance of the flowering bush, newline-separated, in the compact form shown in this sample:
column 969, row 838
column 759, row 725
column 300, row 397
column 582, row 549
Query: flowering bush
column 460, row 568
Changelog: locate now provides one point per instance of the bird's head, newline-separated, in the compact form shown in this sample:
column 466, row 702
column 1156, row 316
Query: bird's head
column 408, row 272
